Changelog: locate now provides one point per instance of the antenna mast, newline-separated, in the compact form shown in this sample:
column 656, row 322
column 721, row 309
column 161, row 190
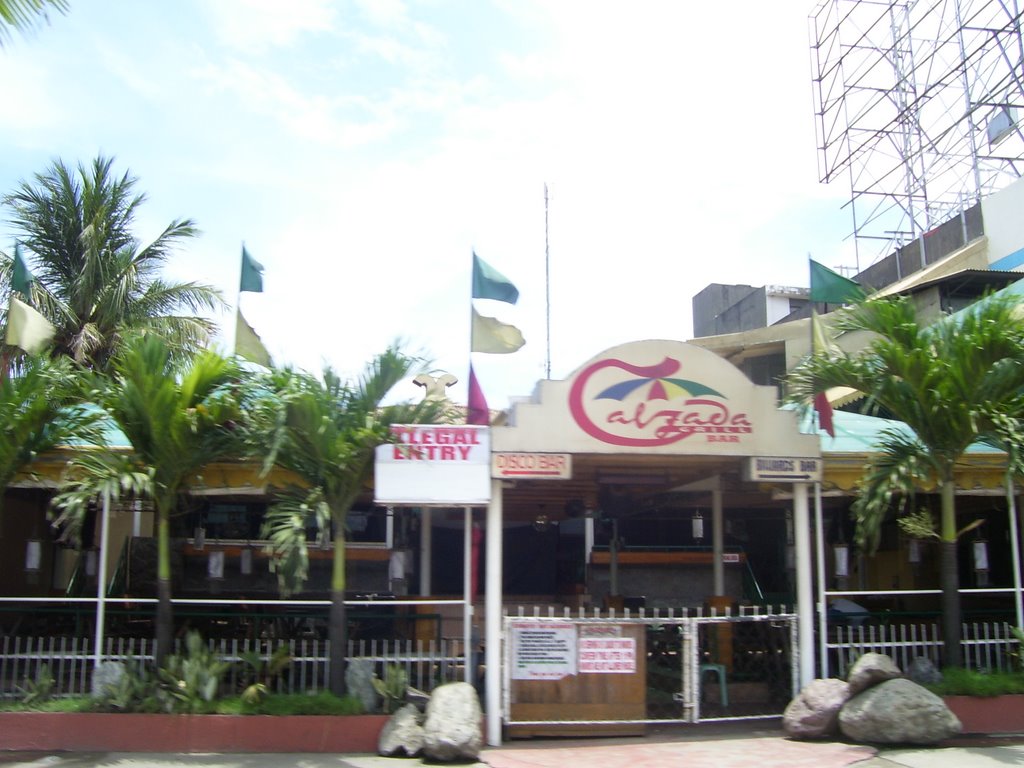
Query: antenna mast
column 547, row 288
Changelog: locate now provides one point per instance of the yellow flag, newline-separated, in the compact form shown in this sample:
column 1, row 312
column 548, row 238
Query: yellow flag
column 492, row 335
column 26, row 328
column 248, row 344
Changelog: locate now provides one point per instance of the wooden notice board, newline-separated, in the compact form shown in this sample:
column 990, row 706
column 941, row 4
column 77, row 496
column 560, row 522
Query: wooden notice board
column 565, row 671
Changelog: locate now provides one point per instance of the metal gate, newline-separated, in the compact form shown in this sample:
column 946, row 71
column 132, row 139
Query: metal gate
column 687, row 667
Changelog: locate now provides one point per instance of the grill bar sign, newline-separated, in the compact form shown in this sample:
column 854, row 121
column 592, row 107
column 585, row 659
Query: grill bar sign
column 783, row 469
column 534, row 466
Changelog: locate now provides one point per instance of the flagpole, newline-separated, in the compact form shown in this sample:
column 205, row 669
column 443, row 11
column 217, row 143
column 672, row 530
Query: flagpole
column 547, row 288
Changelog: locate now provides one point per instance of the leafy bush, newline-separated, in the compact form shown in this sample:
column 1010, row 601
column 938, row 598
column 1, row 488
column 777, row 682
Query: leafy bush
column 323, row 703
column 393, row 687
column 965, row 682
column 262, row 672
column 189, row 683
column 40, row 690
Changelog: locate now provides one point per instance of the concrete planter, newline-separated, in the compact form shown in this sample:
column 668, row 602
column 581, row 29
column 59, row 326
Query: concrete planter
column 989, row 714
column 103, row 732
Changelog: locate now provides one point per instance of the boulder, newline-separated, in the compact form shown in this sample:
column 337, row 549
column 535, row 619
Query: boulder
column 106, row 677
column 897, row 711
column 359, row 683
column 814, row 713
column 871, row 669
column 402, row 734
column 452, row 726
column 923, row 672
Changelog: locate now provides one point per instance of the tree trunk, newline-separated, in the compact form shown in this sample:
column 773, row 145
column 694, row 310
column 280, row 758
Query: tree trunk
column 164, row 617
column 337, row 631
column 952, row 655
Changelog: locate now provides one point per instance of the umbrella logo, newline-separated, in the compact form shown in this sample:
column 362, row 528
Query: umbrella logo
column 623, row 404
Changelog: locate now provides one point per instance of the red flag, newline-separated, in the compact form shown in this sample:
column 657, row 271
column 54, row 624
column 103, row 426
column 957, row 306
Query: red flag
column 824, row 409
column 479, row 413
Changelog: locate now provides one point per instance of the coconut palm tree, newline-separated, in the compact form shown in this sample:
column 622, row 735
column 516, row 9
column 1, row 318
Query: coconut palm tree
column 177, row 418
column 25, row 14
column 93, row 279
column 38, row 408
column 325, row 431
column 953, row 383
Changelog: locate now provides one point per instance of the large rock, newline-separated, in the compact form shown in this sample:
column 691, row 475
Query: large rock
column 402, row 734
column 923, row 671
column 897, row 712
column 814, row 713
column 359, row 683
column 871, row 669
column 106, row 677
column 452, row 728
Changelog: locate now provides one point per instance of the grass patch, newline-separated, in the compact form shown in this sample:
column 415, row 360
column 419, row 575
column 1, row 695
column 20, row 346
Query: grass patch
column 322, row 703
column 965, row 682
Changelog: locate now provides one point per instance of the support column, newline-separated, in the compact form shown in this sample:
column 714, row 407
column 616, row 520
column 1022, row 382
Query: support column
column 804, row 569
column 467, row 593
column 492, row 657
column 1011, row 500
column 101, row 580
column 426, row 546
column 717, row 542
column 819, row 559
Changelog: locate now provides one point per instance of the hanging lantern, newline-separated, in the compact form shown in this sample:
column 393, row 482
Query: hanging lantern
column 914, row 551
column 980, row 550
column 245, row 561
column 33, row 555
column 698, row 526
column 199, row 537
column 842, row 560
column 215, row 565
column 91, row 562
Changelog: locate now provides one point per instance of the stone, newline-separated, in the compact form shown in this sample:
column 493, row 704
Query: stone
column 402, row 734
column 897, row 711
column 359, row 683
column 452, row 726
column 923, row 671
column 871, row 669
column 106, row 677
column 814, row 713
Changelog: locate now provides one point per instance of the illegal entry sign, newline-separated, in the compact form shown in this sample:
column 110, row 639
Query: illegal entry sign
column 603, row 650
column 432, row 464
column 543, row 650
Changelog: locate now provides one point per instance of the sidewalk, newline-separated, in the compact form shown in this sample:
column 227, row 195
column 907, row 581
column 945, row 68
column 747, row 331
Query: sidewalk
column 711, row 746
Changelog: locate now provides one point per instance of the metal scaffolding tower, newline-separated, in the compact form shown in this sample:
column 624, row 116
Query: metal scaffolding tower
column 919, row 104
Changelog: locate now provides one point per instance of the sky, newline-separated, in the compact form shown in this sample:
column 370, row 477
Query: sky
column 363, row 149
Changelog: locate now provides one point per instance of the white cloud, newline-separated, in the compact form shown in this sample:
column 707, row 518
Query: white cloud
column 255, row 25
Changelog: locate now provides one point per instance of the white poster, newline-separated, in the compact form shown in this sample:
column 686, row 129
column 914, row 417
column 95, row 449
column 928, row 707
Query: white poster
column 607, row 655
column 543, row 650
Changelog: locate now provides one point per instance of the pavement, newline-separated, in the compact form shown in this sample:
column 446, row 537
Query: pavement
column 712, row 745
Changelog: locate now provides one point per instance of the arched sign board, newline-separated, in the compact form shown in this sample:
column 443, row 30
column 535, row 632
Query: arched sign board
column 655, row 397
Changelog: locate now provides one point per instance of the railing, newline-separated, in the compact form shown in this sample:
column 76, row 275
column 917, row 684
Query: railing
column 987, row 646
column 70, row 660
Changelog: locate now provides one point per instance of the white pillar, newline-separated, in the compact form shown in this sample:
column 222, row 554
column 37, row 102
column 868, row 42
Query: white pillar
column 492, row 657
column 717, row 542
column 101, row 580
column 819, row 559
column 467, row 591
column 804, row 599
column 1011, row 500
column 426, row 545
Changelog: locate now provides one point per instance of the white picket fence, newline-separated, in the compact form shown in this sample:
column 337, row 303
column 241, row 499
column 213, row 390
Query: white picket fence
column 70, row 660
column 987, row 647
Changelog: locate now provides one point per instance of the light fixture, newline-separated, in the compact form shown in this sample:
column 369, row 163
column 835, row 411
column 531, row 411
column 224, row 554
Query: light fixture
column 245, row 561
column 199, row 537
column 33, row 555
column 698, row 525
column 91, row 562
column 215, row 565
column 980, row 550
column 842, row 559
column 541, row 522
column 914, row 551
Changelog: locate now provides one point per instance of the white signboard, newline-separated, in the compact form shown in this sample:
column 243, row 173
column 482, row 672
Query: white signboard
column 543, row 650
column 782, row 469
column 431, row 464
column 607, row 655
column 534, row 466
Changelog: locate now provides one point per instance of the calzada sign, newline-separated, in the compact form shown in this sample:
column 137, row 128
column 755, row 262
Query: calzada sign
column 430, row 464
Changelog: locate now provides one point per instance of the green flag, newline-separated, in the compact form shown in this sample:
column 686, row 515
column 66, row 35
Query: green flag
column 832, row 288
column 26, row 328
column 252, row 274
column 21, row 278
column 489, row 283
column 491, row 335
column 248, row 344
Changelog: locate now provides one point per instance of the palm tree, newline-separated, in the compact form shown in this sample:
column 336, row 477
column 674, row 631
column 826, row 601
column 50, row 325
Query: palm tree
column 953, row 383
column 93, row 279
column 39, row 413
column 177, row 418
column 325, row 431
column 24, row 14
